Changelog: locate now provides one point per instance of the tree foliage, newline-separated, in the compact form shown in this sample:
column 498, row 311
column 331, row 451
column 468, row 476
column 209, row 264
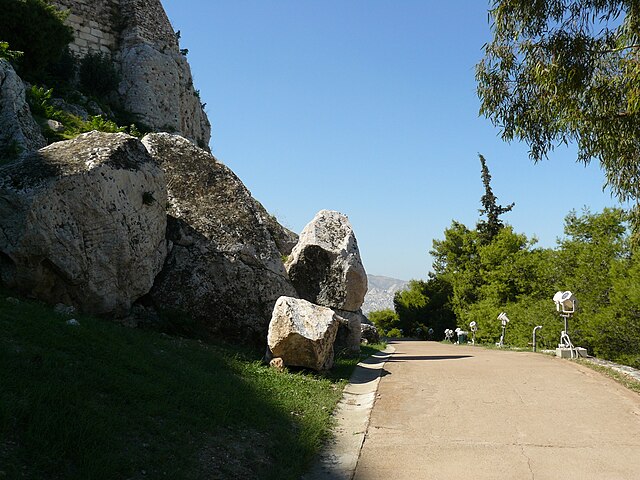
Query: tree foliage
column 560, row 71
column 490, row 227
column 384, row 320
column 98, row 75
column 37, row 29
column 594, row 259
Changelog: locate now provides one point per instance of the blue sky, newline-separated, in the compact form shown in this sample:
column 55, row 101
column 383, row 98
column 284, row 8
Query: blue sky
column 369, row 107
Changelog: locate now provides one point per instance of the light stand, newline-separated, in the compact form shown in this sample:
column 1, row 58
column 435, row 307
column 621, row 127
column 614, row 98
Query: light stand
column 474, row 328
column 504, row 319
column 566, row 304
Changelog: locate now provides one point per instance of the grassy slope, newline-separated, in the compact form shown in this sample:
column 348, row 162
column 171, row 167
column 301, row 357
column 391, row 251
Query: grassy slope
column 100, row 401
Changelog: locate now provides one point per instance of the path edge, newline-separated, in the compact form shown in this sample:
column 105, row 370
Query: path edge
column 338, row 459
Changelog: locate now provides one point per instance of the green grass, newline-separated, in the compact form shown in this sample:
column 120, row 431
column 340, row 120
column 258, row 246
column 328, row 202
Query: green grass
column 625, row 380
column 100, row 401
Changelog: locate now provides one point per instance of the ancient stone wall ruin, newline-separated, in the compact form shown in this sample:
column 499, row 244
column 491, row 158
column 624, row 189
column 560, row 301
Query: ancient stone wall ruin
column 156, row 82
column 96, row 24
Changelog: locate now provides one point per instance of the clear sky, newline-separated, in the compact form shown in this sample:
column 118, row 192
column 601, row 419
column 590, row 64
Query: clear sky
column 369, row 107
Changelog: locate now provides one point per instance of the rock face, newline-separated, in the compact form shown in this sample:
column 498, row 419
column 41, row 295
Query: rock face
column 350, row 331
column 19, row 133
column 302, row 334
column 224, row 267
column 325, row 266
column 157, row 84
column 83, row 223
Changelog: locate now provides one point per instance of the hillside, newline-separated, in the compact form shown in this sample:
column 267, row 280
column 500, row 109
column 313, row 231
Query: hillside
column 381, row 292
column 96, row 400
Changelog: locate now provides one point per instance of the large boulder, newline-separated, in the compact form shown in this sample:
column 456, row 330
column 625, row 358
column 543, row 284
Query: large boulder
column 325, row 265
column 83, row 222
column 302, row 334
column 19, row 133
column 224, row 268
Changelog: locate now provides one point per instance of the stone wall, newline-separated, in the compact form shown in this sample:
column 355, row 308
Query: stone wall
column 148, row 23
column 96, row 24
column 156, row 82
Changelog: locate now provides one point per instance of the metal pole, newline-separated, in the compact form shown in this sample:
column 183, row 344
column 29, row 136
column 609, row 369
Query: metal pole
column 534, row 336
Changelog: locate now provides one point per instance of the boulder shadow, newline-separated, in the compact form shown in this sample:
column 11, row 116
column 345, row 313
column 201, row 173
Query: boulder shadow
column 407, row 358
column 370, row 369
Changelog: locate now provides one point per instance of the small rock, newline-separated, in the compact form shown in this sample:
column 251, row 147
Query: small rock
column 369, row 334
column 12, row 300
column 73, row 322
column 277, row 363
column 55, row 125
column 63, row 309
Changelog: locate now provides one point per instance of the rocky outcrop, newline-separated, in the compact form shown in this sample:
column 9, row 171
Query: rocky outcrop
column 224, row 267
column 83, row 223
column 302, row 334
column 157, row 84
column 157, row 87
column 19, row 133
column 325, row 266
column 285, row 239
column 156, row 80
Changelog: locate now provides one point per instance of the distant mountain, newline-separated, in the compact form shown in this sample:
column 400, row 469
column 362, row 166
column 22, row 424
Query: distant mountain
column 381, row 292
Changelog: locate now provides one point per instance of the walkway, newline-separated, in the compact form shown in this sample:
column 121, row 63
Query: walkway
column 459, row 412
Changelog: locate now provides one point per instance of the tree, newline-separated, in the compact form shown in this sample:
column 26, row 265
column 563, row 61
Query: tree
column 37, row 29
column 489, row 228
column 568, row 71
column 384, row 320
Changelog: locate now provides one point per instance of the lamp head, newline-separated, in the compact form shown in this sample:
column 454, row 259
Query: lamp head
column 565, row 302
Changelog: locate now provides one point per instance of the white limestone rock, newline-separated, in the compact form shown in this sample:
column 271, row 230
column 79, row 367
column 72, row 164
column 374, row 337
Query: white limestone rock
column 302, row 334
column 19, row 133
column 225, row 269
column 325, row 265
column 158, row 87
column 83, row 223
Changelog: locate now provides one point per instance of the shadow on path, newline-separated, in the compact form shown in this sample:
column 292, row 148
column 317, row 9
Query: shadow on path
column 406, row 358
column 370, row 369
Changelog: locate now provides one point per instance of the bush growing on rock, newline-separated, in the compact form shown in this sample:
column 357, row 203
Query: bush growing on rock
column 98, row 75
column 37, row 29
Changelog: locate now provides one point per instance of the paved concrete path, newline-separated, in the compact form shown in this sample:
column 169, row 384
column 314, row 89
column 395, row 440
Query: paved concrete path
column 461, row 412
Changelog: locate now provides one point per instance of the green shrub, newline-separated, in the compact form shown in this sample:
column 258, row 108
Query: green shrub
column 394, row 333
column 37, row 29
column 7, row 54
column 98, row 75
column 384, row 320
column 103, row 125
column 39, row 99
column 63, row 71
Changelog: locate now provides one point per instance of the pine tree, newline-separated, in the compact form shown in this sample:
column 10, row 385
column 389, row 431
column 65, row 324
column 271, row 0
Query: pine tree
column 489, row 228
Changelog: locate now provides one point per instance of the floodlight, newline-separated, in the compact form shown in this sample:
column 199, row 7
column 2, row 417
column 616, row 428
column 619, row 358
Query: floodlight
column 565, row 302
column 503, row 318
